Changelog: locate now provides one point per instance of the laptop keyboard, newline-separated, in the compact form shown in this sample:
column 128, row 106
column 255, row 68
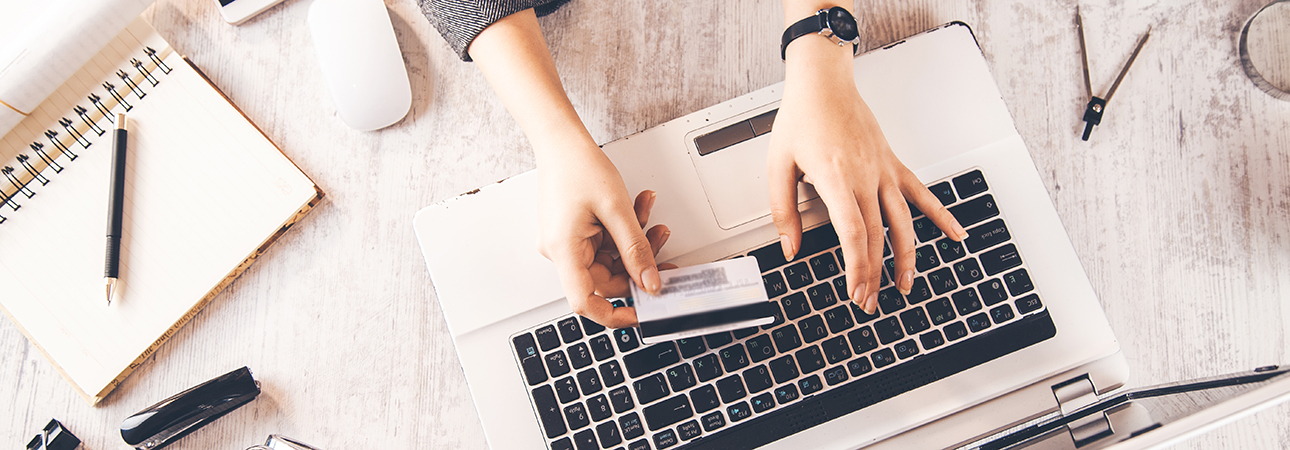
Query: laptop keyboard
column 822, row 358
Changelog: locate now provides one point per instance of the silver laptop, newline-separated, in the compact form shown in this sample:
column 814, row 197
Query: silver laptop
column 1000, row 332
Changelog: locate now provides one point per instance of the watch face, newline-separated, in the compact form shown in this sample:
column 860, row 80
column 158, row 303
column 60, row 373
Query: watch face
column 843, row 24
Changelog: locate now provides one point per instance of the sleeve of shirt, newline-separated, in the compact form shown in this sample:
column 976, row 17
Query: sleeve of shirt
column 460, row 21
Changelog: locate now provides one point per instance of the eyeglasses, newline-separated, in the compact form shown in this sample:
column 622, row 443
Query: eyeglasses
column 280, row 442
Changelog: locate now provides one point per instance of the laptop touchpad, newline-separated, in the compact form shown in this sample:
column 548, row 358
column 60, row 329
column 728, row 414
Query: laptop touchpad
column 730, row 158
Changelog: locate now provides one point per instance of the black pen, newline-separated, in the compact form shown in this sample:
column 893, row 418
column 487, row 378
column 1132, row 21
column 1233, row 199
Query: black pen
column 116, row 206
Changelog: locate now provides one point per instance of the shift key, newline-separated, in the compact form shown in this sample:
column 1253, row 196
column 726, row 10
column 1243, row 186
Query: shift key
column 668, row 412
column 651, row 358
column 975, row 210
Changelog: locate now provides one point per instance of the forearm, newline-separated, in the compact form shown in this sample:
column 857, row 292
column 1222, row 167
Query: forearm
column 515, row 59
column 814, row 59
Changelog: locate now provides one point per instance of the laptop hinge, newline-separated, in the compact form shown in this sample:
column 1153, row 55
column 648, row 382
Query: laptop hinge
column 1076, row 394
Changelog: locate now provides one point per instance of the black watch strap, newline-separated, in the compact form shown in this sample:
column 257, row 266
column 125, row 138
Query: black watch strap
column 809, row 25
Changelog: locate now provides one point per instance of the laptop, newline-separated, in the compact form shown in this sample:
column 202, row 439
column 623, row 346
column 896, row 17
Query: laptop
column 1001, row 333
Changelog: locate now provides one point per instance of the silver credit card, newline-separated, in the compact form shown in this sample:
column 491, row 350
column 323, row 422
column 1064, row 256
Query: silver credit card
column 703, row 299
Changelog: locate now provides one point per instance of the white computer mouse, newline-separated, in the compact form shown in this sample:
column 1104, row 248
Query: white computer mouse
column 361, row 62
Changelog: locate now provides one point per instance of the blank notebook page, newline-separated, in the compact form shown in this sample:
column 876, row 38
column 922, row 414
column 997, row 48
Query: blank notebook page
column 204, row 190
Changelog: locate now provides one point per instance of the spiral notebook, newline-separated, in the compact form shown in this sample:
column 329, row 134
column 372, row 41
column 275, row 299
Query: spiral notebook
column 206, row 194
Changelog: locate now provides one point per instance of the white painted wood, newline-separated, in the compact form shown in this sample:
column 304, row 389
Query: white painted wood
column 1179, row 206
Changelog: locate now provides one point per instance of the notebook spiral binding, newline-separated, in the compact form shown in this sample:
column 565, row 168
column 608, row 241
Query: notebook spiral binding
column 20, row 181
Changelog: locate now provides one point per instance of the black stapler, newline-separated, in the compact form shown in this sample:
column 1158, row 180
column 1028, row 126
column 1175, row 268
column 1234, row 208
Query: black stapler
column 165, row 422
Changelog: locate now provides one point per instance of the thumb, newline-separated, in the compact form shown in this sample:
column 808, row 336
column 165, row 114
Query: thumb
column 783, row 208
column 634, row 250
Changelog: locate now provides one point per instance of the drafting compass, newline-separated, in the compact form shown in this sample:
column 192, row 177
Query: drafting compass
column 1097, row 105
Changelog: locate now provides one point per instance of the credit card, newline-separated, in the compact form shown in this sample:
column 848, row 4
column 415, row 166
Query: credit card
column 704, row 299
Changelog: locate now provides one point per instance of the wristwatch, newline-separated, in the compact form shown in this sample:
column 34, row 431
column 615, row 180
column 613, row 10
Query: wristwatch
column 834, row 23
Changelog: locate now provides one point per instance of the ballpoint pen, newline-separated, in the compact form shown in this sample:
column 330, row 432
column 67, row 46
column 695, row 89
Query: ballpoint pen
column 116, row 205
column 1096, row 105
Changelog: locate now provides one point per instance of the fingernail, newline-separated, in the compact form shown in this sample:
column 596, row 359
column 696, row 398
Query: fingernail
column 652, row 195
column 650, row 277
column 860, row 290
column 787, row 246
column 958, row 230
column 871, row 305
column 906, row 282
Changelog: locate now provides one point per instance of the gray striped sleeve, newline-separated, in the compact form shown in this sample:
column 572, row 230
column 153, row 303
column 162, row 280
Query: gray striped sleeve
column 459, row 21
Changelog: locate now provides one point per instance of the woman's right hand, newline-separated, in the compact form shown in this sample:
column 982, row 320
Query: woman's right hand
column 593, row 233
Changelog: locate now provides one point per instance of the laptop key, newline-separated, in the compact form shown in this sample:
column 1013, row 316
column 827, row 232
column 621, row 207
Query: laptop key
column 668, row 412
column 784, row 369
column 940, row 311
column 950, row 250
column 642, row 444
column 978, row 322
column 1002, row 313
column 650, row 388
column 888, row 330
column 1018, row 282
column 631, row 426
column 557, row 364
column 547, row 338
column 1000, row 259
column 862, row 340
column 534, row 373
column 836, row 349
column 798, row 275
column 1029, row 304
column 906, row 349
column 688, row 430
column 987, row 235
column 810, row 385
column 974, row 211
column 817, row 239
column 738, row 411
column 562, row 444
column 840, row 288
column 883, row 358
column 586, row 440
column 548, row 411
column 718, row 340
column 744, row 332
column 579, row 356
column 665, row 439
column 769, row 257
column 919, row 292
column 731, row 388
column 824, row 266
column 705, row 398
column 599, row 408
column 566, row 389
column 992, row 292
column 690, row 347
column 966, row 302
column 859, row 366
column 925, row 259
column 680, row 377
column 713, row 421
column 576, row 416
column 890, row 300
column 943, row 193
column 760, row 348
column 931, row 339
column 795, row 305
column 601, row 347
column 915, row 321
column 942, row 281
column 786, row 393
column 589, row 381
column 774, row 283
column 839, row 319
column 821, row 296
column 786, row 338
column 779, row 317
column 608, row 434
column 836, row 376
column 651, row 358
column 611, row 373
column 968, row 271
column 733, row 357
column 707, row 367
column 810, row 359
column 812, row 328
column 621, row 400
column 763, row 402
column 861, row 316
column 955, row 331
column 569, row 330
column 589, row 326
column 969, row 184
column 626, row 339
column 926, row 230
column 757, row 379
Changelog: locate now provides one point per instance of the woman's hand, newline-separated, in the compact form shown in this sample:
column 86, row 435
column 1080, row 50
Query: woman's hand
column 825, row 134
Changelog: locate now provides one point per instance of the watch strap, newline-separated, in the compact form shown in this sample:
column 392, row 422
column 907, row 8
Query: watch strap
column 809, row 25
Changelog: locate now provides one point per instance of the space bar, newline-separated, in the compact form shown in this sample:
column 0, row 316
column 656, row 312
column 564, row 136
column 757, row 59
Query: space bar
column 871, row 390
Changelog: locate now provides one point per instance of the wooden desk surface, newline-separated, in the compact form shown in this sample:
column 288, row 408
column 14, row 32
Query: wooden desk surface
column 1179, row 207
